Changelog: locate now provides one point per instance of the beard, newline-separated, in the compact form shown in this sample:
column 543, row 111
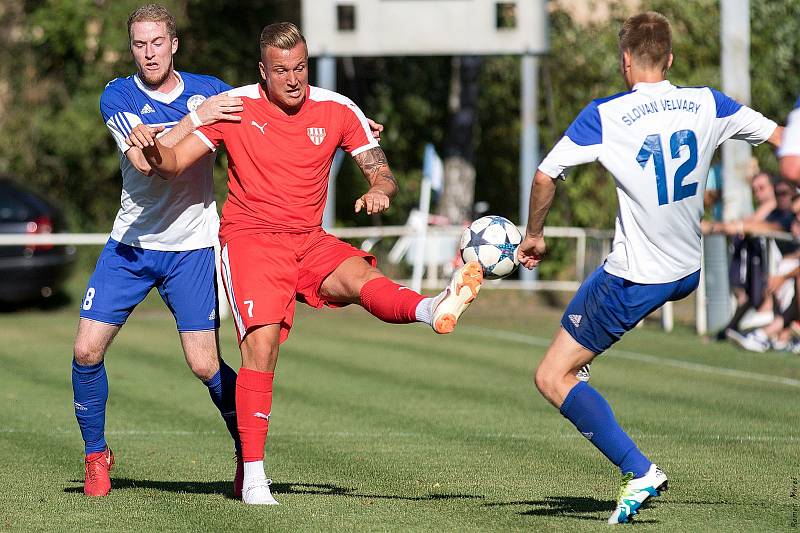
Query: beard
column 155, row 79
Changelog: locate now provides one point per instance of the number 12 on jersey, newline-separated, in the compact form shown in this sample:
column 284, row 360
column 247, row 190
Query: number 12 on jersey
column 652, row 148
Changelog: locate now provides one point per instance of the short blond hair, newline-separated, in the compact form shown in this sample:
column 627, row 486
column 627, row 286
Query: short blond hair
column 153, row 13
column 283, row 35
column 648, row 38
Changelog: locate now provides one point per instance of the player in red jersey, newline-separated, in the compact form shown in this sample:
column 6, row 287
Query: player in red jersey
column 274, row 249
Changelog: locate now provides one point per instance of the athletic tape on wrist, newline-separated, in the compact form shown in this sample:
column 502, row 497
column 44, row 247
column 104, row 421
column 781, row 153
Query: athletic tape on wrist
column 195, row 119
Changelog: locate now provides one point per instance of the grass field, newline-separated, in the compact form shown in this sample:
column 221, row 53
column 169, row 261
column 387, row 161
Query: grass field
column 378, row 427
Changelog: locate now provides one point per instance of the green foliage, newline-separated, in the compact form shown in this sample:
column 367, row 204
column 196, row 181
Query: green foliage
column 56, row 62
column 409, row 96
column 56, row 57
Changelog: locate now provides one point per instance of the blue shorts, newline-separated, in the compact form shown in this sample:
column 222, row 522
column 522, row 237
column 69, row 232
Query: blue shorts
column 606, row 306
column 124, row 275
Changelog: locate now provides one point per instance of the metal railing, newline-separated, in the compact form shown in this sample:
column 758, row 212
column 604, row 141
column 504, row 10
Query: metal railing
column 433, row 279
column 373, row 233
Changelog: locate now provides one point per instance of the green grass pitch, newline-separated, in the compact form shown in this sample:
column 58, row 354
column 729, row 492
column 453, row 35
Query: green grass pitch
column 381, row 427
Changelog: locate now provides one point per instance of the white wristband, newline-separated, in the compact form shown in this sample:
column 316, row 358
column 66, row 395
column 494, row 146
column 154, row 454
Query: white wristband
column 195, row 118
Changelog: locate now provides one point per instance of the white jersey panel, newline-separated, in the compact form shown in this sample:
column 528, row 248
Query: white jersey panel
column 657, row 140
column 169, row 215
column 790, row 144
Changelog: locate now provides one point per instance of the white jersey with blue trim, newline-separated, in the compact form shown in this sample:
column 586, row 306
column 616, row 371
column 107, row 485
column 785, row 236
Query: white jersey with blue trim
column 157, row 214
column 790, row 142
column 657, row 140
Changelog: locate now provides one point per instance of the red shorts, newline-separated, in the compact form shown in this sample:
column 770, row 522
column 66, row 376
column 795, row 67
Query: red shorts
column 265, row 273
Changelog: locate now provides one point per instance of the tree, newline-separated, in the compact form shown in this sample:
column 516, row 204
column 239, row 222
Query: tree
column 459, row 147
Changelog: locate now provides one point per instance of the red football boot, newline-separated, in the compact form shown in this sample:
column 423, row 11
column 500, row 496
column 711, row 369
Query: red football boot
column 238, row 479
column 98, row 465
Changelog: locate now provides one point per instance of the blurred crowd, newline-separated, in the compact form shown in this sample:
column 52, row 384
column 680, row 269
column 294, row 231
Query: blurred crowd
column 764, row 265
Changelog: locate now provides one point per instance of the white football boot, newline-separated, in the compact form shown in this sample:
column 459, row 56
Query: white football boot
column 634, row 492
column 454, row 300
column 256, row 492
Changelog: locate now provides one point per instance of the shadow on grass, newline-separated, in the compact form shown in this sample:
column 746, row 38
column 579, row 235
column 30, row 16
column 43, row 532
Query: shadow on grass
column 582, row 508
column 224, row 488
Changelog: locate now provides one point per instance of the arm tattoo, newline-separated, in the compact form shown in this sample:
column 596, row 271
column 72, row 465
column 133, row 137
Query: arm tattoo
column 376, row 169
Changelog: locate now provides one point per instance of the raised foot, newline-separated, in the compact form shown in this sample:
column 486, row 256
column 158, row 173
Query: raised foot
column 454, row 300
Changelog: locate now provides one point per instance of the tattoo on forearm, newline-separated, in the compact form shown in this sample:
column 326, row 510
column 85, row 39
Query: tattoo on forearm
column 373, row 164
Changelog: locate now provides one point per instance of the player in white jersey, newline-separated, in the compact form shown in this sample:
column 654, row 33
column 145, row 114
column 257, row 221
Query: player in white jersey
column 657, row 140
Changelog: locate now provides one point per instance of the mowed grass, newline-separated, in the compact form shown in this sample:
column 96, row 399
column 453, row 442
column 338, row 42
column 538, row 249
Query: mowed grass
column 381, row 427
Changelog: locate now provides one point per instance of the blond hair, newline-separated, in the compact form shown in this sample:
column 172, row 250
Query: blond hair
column 153, row 13
column 283, row 35
column 648, row 38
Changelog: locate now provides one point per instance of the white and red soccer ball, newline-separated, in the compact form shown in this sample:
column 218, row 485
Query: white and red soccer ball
column 492, row 241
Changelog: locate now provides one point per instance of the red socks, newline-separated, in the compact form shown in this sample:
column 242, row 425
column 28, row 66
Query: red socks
column 389, row 301
column 253, row 406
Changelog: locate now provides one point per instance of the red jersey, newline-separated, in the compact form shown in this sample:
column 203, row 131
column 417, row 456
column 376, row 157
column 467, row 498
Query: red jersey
column 278, row 164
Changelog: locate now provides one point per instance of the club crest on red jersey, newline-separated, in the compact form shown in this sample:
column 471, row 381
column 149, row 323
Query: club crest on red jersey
column 317, row 135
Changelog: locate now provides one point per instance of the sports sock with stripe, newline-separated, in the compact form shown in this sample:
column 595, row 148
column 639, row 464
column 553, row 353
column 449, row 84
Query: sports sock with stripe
column 590, row 413
column 222, row 389
column 90, row 394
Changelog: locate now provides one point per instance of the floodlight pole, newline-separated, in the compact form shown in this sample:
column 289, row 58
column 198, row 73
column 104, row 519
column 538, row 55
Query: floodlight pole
column 326, row 78
column 529, row 147
column 735, row 36
column 736, row 196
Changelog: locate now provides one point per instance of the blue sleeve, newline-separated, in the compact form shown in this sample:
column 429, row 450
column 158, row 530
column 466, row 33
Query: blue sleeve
column 114, row 105
column 726, row 106
column 586, row 129
column 111, row 102
column 797, row 103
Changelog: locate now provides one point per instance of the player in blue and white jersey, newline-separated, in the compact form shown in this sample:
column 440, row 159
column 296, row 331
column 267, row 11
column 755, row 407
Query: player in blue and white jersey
column 163, row 236
column 657, row 140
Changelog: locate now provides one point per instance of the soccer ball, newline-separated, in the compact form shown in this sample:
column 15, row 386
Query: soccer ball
column 493, row 242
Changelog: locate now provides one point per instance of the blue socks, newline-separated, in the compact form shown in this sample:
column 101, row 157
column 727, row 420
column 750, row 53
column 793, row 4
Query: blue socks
column 90, row 393
column 222, row 389
column 592, row 415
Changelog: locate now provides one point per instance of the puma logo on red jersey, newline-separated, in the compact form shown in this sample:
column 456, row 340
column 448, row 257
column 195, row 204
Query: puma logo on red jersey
column 260, row 127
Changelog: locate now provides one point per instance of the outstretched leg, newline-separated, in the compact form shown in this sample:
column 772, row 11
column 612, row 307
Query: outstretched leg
column 356, row 281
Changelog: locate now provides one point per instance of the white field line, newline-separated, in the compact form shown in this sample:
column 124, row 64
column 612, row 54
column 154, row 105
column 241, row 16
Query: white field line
column 408, row 435
column 640, row 357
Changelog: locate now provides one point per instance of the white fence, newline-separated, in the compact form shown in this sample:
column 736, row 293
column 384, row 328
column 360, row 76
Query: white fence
column 370, row 235
column 435, row 276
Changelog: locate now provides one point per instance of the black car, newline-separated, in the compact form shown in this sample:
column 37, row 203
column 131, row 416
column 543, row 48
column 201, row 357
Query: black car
column 30, row 271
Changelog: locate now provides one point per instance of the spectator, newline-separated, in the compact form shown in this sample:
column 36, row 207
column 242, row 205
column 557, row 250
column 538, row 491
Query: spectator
column 784, row 287
column 747, row 275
